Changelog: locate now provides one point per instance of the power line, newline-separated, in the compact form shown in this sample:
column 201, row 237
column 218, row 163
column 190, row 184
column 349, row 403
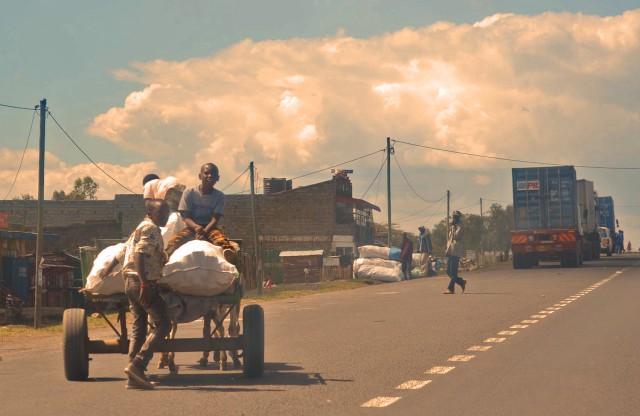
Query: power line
column 18, row 107
column 87, row 156
column 235, row 180
column 376, row 177
column 412, row 216
column 339, row 164
column 511, row 160
column 408, row 183
column 22, row 159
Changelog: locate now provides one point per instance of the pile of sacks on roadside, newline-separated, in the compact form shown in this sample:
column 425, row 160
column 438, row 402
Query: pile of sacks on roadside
column 197, row 268
column 378, row 263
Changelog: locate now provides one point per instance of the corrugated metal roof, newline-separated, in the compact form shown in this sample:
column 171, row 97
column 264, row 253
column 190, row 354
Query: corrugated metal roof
column 302, row 253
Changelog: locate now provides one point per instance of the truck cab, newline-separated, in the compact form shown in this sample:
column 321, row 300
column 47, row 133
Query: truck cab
column 606, row 241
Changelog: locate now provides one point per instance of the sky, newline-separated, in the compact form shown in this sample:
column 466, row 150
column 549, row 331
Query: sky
column 300, row 87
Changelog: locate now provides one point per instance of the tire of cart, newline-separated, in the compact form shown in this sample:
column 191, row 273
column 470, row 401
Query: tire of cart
column 75, row 341
column 253, row 336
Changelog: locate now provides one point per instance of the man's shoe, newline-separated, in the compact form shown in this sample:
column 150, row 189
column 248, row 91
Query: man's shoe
column 133, row 385
column 448, row 292
column 229, row 255
column 136, row 373
column 463, row 285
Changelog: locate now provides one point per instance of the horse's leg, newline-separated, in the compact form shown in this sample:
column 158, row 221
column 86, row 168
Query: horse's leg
column 206, row 333
column 171, row 363
column 223, row 353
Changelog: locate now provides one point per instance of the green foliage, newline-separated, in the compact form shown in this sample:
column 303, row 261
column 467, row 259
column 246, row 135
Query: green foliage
column 396, row 235
column 24, row 197
column 83, row 189
column 491, row 232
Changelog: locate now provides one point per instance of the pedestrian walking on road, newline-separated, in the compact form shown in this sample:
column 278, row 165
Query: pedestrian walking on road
column 424, row 248
column 406, row 254
column 454, row 251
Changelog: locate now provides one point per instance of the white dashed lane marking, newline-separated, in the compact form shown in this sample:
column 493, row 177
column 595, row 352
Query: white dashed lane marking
column 461, row 358
column 413, row 385
column 480, row 348
column 439, row 370
column 381, row 402
column 384, row 401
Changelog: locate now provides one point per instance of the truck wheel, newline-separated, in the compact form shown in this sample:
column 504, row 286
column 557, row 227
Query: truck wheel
column 253, row 351
column 516, row 261
column 74, row 344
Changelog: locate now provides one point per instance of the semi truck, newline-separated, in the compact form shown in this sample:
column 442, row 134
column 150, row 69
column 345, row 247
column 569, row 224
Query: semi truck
column 555, row 217
column 606, row 224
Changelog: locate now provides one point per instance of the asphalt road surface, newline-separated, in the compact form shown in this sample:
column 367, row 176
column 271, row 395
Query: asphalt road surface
column 545, row 341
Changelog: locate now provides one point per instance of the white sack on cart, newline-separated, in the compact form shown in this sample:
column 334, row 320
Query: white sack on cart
column 198, row 268
column 113, row 282
column 366, row 269
column 374, row 252
column 173, row 227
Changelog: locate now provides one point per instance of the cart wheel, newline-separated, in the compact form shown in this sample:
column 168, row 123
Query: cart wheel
column 74, row 344
column 253, row 352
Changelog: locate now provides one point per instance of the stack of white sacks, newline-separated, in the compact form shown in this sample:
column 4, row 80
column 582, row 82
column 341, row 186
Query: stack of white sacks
column 378, row 263
column 197, row 268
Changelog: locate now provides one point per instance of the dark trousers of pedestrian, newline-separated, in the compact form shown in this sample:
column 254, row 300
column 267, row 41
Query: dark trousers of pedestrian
column 406, row 263
column 143, row 345
column 452, row 270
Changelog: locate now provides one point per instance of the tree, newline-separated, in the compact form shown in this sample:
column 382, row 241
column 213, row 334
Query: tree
column 396, row 234
column 24, row 197
column 83, row 189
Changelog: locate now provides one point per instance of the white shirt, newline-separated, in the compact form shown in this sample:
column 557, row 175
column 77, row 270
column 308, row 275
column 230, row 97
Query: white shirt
column 157, row 188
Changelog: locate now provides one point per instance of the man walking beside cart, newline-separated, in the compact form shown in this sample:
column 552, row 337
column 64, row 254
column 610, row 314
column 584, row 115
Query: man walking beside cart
column 143, row 262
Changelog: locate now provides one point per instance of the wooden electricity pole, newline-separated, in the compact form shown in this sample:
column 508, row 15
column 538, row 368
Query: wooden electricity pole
column 38, row 267
column 256, row 241
column 389, row 149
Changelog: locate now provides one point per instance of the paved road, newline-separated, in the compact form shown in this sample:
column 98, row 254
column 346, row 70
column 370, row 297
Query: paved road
column 570, row 348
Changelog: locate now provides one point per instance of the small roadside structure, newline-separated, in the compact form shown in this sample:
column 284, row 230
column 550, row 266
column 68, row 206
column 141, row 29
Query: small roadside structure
column 294, row 263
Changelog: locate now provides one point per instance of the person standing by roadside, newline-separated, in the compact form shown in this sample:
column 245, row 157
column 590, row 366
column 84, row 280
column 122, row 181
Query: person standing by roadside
column 454, row 251
column 619, row 242
column 425, row 249
column 406, row 254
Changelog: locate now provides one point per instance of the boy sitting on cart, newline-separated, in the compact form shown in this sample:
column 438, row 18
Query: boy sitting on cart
column 144, row 259
column 201, row 208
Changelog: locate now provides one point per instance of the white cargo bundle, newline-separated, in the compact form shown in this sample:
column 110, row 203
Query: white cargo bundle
column 113, row 282
column 373, row 252
column 173, row 227
column 377, row 269
column 198, row 268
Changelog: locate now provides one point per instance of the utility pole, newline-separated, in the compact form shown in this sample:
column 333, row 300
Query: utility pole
column 481, row 259
column 256, row 242
column 448, row 205
column 38, row 289
column 389, row 150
